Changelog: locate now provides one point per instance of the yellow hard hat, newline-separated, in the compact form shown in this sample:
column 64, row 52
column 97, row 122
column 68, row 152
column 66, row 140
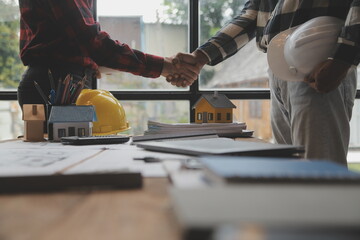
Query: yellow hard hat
column 111, row 117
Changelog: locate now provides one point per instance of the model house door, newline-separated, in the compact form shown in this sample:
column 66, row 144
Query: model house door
column 205, row 117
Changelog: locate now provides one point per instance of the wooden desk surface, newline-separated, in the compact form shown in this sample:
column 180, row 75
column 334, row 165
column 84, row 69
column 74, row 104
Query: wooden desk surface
column 120, row 214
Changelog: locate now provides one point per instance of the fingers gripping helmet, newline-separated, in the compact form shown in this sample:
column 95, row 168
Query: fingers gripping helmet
column 110, row 113
column 293, row 53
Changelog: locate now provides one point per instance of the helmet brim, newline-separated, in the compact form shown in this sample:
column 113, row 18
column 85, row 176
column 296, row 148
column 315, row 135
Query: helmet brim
column 276, row 58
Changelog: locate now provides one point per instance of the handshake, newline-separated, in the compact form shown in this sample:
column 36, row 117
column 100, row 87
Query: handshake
column 183, row 69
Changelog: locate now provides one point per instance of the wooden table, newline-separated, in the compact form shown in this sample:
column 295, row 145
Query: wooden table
column 102, row 214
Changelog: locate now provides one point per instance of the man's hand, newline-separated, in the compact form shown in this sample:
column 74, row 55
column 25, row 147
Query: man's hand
column 182, row 73
column 327, row 75
column 194, row 62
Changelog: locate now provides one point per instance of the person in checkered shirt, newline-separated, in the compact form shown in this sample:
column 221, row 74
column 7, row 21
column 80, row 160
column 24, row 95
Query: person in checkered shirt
column 316, row 112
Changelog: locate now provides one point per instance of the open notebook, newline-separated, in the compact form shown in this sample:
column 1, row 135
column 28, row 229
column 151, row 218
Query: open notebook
column 223, row 146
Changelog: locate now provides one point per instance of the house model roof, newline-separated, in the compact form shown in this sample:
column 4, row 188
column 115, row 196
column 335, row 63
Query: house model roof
column 72, row 114
column 216, row 100
column 33, row 112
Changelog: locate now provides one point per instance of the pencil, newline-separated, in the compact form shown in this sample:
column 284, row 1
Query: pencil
column 66, row 88
column 41, row 93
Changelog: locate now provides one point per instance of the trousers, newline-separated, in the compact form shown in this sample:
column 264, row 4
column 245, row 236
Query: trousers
column 318, row 121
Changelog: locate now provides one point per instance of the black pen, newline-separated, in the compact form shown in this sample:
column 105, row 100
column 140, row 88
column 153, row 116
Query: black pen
column 41, row 93
column 52, row 83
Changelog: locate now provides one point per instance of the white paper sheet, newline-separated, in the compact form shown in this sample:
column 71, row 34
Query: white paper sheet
column 32, row 161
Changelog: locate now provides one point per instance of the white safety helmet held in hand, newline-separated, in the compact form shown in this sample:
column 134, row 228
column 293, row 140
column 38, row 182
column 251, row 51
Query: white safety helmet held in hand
column 293, row 53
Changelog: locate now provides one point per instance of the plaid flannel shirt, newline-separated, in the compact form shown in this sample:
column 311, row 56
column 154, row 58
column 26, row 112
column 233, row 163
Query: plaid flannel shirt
column 64, row 31
column 264, row 19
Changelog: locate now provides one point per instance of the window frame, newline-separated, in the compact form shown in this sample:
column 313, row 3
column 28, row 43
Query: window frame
column 191, row 95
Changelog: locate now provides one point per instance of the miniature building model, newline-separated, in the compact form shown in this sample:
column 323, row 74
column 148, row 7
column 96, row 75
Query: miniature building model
column 67, row 121
column 213, row 108
column 34, row 117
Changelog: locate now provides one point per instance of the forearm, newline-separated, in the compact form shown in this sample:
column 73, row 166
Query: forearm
column 233, row 36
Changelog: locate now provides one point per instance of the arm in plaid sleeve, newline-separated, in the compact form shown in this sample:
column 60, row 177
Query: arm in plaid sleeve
column 76, row 18
column 349, row 41
column 232, row 36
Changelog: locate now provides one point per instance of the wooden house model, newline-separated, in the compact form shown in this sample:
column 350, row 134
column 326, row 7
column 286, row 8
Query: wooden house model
column 67, row 121
column 213, row 108
column 34, row 118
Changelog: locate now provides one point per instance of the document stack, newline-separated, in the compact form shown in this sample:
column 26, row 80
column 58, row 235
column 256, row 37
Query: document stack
column 236, row 129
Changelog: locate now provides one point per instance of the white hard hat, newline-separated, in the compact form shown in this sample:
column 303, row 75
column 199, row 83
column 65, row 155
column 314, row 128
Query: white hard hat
column 293, row 53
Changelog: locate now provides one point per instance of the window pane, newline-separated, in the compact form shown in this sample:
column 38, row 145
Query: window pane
column 11, row 68
column 259, row 123
column 354, row 147
column 139, row 112
column 11, row 124
column 158, row 27
column 246, row 69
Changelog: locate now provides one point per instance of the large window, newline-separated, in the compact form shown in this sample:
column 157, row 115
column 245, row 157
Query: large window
column 161, row 27
column 156, row 27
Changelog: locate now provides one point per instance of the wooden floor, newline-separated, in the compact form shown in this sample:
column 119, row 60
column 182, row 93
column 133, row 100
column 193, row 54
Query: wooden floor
column 103, row 214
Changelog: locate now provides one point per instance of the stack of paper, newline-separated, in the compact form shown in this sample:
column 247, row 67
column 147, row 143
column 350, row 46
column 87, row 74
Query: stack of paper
column 237, row 129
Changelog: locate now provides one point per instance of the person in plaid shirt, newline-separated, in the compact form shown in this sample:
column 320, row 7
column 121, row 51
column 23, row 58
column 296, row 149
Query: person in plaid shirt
column 62, row 35
column 314, row 113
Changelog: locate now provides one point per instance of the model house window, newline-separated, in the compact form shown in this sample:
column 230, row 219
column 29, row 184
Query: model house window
column 81, row 132
column 71, row 131
column 61, row 132
column 228, row 116
column 211, row 116
column 199, row 116
column 218, row 116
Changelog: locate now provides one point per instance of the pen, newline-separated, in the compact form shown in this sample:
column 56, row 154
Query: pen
column 52, row 90
column 52, row 96
column 58, row 92
column 52, row 83
column 41, row 93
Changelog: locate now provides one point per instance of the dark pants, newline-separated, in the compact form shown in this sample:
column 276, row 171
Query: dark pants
column 28, row 94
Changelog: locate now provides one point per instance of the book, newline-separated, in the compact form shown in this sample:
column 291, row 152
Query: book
column 226, row 169
column 282, row 206
column 237, row 129
column 222, row 146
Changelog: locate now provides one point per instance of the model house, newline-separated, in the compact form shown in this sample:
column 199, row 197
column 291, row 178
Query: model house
column 34, row 117
column 67, row 121
column 213, row 108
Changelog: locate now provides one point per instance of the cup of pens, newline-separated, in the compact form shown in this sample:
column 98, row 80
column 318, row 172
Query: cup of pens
column 66, row 93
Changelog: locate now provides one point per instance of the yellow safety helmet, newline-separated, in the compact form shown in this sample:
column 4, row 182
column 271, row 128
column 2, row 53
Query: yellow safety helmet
column 111, row 117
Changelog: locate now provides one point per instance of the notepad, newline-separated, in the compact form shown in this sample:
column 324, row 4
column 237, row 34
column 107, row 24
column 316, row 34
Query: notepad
column 228, row 169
